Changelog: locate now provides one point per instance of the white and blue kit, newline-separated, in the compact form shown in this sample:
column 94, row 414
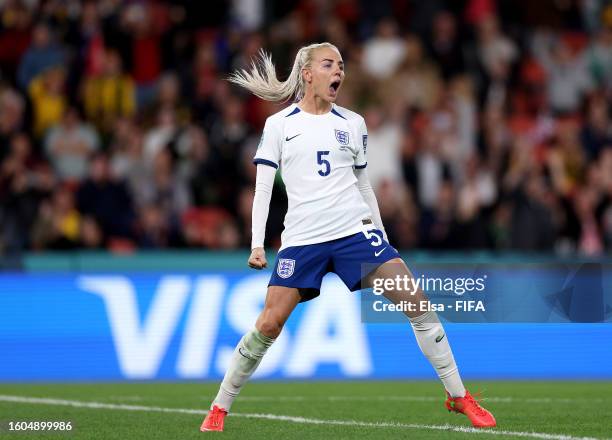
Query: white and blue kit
column 329, row 226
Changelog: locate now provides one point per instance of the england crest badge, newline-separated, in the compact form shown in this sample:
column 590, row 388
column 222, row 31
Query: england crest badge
column 285, row 267
column 342, row 137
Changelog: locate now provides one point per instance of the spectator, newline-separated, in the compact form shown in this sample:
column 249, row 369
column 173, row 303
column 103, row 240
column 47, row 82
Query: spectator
column 153, row 229
column 145, row 24
column 476, row 195
column 121, row 159
column 87, row 36
column 43, row 53
column 164, row 188
column 384, row 143
column 599, row 58
column 69, row 146
column 438, row 224
column 202, row 82
column 432, row 170
column 478, row 190
column 229, row 237
column 227, row 134
column 383, row 53
column 245, row 204
column 168, row 97
column 445, row 130
column 590, row 241
column 567, row 159
column 24, row 182
column 568, row 76
column 496, row 56
column 199, row 163
column 532, row 224
column 106, row 200
column 12, row 108
column 48, row 99
column 464, row 111
column 58, row 222
column 19, row 159
column 398, row 213
column 161, row 135
column 596, row 134
column 444, row 45
column 192, row 152
column 420, row 79
column 90, row 234
column 495, row 50
column 110, row 94
column 15, row 36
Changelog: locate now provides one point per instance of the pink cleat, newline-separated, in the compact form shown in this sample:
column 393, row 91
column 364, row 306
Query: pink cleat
column 480, row 417
column 214, row 420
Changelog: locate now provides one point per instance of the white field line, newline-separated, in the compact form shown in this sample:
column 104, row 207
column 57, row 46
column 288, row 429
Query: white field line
column 291, row 419
column 126, row 398
column 415, row 399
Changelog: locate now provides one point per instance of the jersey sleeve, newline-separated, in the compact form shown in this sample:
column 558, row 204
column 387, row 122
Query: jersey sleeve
column 362, row 145
column 269, row 148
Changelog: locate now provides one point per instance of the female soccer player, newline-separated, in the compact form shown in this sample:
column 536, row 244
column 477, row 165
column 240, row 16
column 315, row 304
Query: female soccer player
column 332, row 223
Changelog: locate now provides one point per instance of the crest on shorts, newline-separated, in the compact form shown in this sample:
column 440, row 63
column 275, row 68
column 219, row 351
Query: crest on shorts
column 285, row 267
column 342, row 137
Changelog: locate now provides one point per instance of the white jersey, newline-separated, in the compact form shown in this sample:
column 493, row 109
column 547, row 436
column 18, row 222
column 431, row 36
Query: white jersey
column 316, row 155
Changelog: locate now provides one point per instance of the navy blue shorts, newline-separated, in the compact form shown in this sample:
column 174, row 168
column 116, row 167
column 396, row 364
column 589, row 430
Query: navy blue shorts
column 303, row 267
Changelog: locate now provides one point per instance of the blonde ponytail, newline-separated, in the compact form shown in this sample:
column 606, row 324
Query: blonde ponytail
column 262, row 80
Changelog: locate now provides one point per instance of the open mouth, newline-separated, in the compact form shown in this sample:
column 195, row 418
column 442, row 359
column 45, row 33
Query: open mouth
column 333, row 87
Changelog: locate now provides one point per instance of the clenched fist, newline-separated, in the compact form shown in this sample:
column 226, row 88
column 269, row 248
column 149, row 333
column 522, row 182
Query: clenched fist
column 257, row 260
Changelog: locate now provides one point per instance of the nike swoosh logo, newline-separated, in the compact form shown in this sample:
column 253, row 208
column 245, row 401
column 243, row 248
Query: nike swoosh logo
column 287, row 139
column 245, row 354
column 376, row 254
column 439, row 338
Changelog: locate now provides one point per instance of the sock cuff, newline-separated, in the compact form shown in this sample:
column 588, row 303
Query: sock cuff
column 449, row 373
column 261, row 339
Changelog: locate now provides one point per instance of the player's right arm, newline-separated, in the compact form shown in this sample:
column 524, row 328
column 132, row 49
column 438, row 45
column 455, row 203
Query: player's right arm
column 261, row 206
column 267, row 159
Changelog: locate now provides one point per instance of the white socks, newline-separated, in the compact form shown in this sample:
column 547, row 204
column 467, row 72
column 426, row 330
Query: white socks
column 247, row 356
column 434, row 344
column 428, row 331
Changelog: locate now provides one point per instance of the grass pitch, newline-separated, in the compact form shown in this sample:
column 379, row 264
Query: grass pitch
column 339, row 410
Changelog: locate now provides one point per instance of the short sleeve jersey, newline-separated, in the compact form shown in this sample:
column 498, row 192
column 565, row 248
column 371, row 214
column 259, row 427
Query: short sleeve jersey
column 316, row 155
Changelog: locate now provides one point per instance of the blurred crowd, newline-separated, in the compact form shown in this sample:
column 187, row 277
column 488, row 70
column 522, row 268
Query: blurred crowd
column 489, row 121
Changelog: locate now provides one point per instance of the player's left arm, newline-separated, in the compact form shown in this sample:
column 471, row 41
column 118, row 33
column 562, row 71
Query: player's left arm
column 363, row 181
column 367, row 192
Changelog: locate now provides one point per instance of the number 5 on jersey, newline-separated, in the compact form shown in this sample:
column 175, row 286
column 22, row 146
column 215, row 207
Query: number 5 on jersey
column 324, row 162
